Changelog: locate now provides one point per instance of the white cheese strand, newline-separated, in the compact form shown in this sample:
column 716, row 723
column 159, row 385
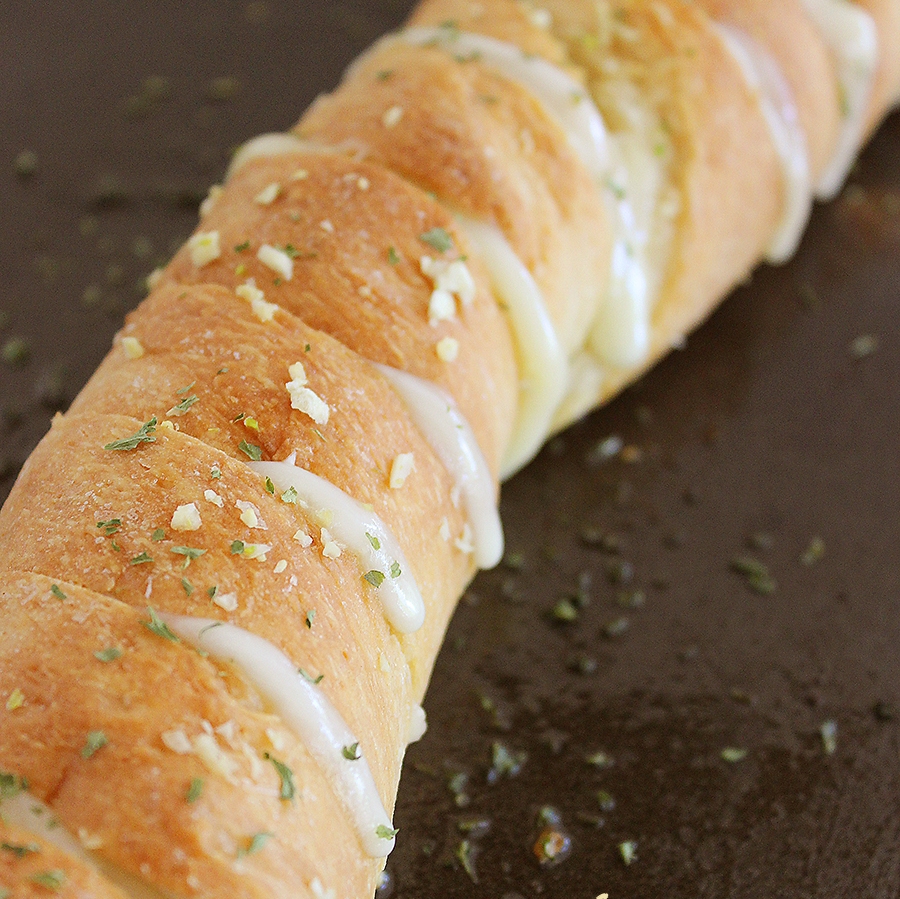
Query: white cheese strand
column 449, row 434
column 265, row 145
column 563, row 98
column 305, row 710
column 767, row 82
column 352, row 524
column 543, row 367
column 852, row 36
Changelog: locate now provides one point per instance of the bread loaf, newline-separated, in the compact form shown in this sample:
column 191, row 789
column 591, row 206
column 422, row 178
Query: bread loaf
column 228, row 568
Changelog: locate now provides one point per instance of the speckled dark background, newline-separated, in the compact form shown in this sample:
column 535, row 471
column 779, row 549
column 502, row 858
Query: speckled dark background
column 773, row 428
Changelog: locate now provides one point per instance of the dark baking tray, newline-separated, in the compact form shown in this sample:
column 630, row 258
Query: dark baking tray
column 772, row 436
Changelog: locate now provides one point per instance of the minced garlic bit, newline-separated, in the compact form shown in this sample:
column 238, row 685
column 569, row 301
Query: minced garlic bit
column 318, row 890
column 363, row 183
column 330, row 549
column 153, row 279
column 204, row 247
column 268, row 195
column 90, row 841
column 401, row 468
column 280, row 566
column 263, row 310
column 226, row 601
column 327, row 226
column 447, row 349
column 256, row 551
column 450, row 279
column 212, row 497
column 206, row 206
column 277, row 260
column 177, row 741
column 303, row 399
column 465, row 543
column 250, row 515
column 303, row 538
column 186, row 518
column 300, row 175
column 392, row 117
column 445, row 530
column 133, row 347
column 208, row 751
column 15, row 701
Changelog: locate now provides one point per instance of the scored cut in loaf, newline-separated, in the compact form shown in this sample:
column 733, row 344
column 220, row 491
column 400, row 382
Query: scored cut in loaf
column 229, row 567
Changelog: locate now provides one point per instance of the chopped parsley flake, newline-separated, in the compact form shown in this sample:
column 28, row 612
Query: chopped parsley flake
column 386, row 833
column 438, row 238
column 54, row 589
column 52, row 880
column 253, row 452
column 375, row 578
column 237, row 547
column 288, row 790
column 290, row 495
column 135, row 440
column 195, row 790
column 211, row 592
column 307, row 676
column 110, row 654
column 111, row 526
column 733, row 755
column 395, row 570
column 628, row 851
column 158, row 534
column 270, row 487
column 257, row 842
column 183, row 390
column 215, row 473
column 183, row 406
column 351, row 753
column 96, row 739
column 20, row 851
column 755, row 573
column 11, row 785
column 187, row 586
column 310, row 618
column 189, row 552
column 393, row 256
column 141, row 559
column 242, row 247
column 157, row 626
column 376, row 543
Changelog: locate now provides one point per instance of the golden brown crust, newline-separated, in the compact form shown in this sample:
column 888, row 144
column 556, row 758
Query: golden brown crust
column 486, row 147
column 147, row 824
column 347, row 282
column 784, row 30
column 886, row 90
column 33, row 868
column 238, row 372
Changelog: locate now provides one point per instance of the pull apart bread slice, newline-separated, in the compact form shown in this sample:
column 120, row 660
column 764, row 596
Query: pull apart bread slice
column 229, row 568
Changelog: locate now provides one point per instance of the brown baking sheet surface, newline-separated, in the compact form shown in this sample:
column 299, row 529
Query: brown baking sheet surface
column 725, row 537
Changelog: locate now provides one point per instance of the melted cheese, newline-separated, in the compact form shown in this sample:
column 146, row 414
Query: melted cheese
column 767, row 82
column 562, row 97
column 851, row 35
column 450, row 436
column 264, row 145
column 543, row 367
column 641, row 215
column 305, row 710
column 360, row 531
